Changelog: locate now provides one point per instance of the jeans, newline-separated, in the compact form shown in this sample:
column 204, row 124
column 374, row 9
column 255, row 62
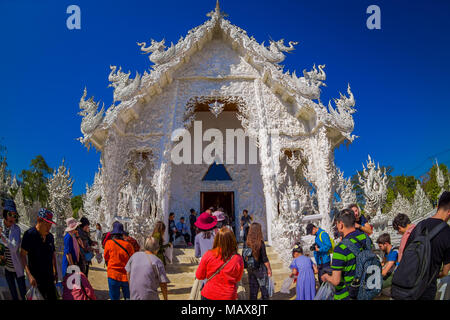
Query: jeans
column 114, row 289
column 11, row 279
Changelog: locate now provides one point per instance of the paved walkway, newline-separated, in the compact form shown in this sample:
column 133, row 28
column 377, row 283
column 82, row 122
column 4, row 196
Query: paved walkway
column 182, row 273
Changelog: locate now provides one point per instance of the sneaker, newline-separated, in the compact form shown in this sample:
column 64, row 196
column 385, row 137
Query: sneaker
column 189, row 244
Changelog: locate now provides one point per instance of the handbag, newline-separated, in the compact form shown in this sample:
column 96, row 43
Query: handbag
column 197, row 286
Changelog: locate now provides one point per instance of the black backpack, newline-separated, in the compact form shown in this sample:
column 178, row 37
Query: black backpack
column 249, row 261
column 412, row 276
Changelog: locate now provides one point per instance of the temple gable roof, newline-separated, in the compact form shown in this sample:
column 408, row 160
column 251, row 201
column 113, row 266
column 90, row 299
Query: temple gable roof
column 262, row 62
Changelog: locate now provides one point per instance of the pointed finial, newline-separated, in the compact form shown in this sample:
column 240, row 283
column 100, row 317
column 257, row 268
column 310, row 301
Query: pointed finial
column 217, row 12
column 217, row 6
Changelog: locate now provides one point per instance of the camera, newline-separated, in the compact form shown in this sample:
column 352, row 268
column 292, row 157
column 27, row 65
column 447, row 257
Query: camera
column 313, row 247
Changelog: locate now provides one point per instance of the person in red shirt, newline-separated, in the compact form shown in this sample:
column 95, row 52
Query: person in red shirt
column 222, row 286
column 117, row 253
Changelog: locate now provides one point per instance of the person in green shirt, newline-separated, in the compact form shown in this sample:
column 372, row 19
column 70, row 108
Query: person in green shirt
column 343, row 263
column 158, row 234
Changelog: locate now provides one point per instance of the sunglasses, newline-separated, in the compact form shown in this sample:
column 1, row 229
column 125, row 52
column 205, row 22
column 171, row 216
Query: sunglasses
column 13, row 215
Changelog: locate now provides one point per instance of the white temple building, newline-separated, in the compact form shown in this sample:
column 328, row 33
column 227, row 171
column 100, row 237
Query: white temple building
column 221, row 78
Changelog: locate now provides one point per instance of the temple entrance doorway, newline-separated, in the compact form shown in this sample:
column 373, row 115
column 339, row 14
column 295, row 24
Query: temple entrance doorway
column 223, row 200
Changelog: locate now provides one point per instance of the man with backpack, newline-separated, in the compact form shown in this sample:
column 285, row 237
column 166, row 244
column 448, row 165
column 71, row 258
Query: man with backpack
column 356, row 269
column 426, row 252
column 323, row 246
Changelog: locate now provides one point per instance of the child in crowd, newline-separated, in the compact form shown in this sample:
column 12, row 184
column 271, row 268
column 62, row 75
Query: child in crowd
column 304, row 269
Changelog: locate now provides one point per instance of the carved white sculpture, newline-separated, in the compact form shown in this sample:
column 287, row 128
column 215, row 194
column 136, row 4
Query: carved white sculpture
column 124, row 88
column 421, row 203
column 345, row 191
column 374, row 182
column 60, row 193
column 218, row 61
column 288, row 225
column 216, row 108
column 400, row 205
column 440, row 179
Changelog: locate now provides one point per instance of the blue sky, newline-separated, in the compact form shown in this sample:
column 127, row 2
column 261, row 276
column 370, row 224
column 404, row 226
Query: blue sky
column 399, row 74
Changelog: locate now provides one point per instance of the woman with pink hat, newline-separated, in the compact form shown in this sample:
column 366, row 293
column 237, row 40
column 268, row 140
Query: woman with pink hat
column 204, row 240
column 71, row 254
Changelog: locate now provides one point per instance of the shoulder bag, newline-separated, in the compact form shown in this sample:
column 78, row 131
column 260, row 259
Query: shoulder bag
column 197, row 286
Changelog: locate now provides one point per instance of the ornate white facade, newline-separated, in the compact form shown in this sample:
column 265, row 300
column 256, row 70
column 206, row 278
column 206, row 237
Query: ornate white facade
column 242, row 85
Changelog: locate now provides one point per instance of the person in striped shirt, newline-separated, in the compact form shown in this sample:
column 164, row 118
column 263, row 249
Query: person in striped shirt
column 343, row 262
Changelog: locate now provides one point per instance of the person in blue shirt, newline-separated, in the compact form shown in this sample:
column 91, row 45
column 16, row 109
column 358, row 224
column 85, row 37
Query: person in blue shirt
column 182, row 230
column 322, row 246
column 71, row 254
column 390, row 262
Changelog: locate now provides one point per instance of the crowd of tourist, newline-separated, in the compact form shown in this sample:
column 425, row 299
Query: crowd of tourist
column 343, row 270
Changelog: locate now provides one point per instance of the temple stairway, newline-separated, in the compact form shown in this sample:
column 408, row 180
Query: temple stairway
column 182, row 274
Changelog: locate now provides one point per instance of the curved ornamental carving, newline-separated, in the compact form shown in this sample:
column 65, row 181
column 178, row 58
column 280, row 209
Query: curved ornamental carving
column 124, row 87
column 91, row 118
column 374, row 182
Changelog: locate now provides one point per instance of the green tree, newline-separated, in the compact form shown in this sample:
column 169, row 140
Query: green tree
column 77, row 204
column 430, row 184
column 34, row 181
column 405, row 185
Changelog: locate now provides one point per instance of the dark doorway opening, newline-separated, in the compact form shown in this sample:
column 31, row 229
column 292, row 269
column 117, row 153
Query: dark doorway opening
column 224, row 200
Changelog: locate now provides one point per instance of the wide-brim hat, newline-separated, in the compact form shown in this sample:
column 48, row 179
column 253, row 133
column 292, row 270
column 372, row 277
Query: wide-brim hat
column 72, row 224
column 117, row 228
column 46, row 215
column 220, row 215
column 206, row 221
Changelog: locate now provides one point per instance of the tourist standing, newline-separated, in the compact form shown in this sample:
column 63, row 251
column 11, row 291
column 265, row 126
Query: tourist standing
column 71, row 254
column 204, row 240
column 403, row 226
column 117, row 253
column 10, row 238
column 322, row 247
column 246, row 219
column 257, row 263
column 38, row 255
column 343, row 264
column 158, row 234
column 192, row 219
column 182, row 230
column 222, row 267
column 146, row 273
column 440, row 245
column 222, row 218
column 172, row 227
column 389, row 263
column 98, row 235
column 303, row 268
column 86, row 245
column 361, row 222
